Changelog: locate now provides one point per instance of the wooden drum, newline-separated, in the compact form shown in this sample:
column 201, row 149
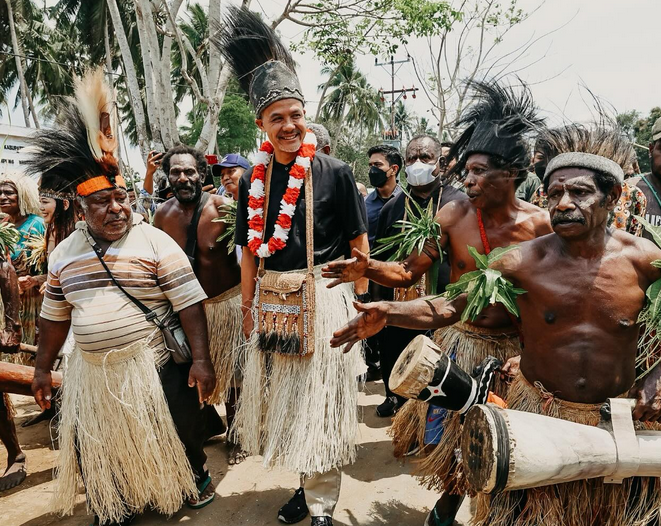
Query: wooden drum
column 424, row 373
column 504, row 449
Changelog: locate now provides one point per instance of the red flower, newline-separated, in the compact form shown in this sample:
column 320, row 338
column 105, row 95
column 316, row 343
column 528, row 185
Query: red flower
column 284, row 221
column 275, row 244
column 291, row 195
column 297, row 172
column 266, row 147
column 255, row 202
column 307, row 150
column 254, row 245
column 258, row 172
column 256, row 223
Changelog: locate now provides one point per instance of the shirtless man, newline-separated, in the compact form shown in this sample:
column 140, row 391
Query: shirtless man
column 580, row 327
column 189, row 220
column 495, row 164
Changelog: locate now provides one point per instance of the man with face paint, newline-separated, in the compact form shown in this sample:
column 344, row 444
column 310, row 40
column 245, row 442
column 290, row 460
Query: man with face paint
column 493, row 155
column 423, row 154
column 193, row 220
column 580, row 328
column 385, row 162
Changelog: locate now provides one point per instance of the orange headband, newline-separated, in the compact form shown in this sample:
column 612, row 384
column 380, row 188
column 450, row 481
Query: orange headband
column 96, row 184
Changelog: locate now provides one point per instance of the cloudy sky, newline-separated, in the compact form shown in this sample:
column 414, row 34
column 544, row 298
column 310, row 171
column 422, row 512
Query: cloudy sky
column 610, row 46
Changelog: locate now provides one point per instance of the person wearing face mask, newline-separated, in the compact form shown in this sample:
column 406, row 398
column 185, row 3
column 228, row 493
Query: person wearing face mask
column 385, row 163
column 425, row 166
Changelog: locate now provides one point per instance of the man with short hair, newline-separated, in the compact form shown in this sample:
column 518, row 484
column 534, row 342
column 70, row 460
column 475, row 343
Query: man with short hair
column 650, row 184
column 385, row 162
column 323, row 137
column 228, row 171
column 194, row 219
column 393, row 340
column 298, row 209
column 130, row 410
column 581, row 339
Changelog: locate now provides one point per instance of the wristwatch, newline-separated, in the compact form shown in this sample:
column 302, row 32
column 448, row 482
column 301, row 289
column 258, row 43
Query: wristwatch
column 364, row 298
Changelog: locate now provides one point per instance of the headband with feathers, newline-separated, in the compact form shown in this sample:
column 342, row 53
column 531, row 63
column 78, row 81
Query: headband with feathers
column 78, row 155
column 601, row 140
column 262, row 63
column 497, row 123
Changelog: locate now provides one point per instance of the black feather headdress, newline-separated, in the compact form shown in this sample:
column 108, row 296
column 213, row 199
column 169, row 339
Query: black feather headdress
column 82, row 143
column 262, row 63
column 497, row 123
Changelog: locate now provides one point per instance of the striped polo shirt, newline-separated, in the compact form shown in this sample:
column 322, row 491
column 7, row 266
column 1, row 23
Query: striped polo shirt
column 145, row 261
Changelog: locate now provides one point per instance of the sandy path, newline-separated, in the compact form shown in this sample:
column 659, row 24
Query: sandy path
column 376, row 490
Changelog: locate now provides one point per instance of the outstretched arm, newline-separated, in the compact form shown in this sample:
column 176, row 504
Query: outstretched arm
column 420, row 314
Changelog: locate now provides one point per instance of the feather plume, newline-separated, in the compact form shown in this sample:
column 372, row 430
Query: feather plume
column 247, row 43
column 501, row 116
column 82, row 143
column 603, row 139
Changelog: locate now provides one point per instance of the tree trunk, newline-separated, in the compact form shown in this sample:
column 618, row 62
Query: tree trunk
column 19, row 65
column 323, row 93
column 207, row 139
column 131, row 79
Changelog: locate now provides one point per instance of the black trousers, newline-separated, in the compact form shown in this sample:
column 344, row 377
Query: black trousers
column 392, row 341
column 187, row 413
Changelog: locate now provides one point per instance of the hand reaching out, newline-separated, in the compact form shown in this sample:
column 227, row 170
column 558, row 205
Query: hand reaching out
column 348, row 270
column 372, row 319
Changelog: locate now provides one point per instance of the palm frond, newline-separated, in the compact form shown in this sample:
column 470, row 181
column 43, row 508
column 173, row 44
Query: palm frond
column 37, row 250
column 9, row 236
column 229, row 218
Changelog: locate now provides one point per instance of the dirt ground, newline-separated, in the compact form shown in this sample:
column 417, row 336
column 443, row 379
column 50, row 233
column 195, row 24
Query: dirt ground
column 376, row 490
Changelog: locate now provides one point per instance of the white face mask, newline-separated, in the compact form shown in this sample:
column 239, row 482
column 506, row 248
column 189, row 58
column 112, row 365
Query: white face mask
column 419, row 173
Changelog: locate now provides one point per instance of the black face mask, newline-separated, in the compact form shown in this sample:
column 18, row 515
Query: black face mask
column 377, row 177
column 540, row 168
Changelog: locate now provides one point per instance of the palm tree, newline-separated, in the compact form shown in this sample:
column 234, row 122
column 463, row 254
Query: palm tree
column 350, row 101
column 405, row 121
column 423, row 127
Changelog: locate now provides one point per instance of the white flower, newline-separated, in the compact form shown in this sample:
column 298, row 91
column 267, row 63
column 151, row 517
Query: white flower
column 287, row 209
column 262, row 158
column 263, row 251
column 255, row 212
column 310, row 138
column 256, row 189
column 254, row 234
column 281, row 233
column 295, row 183
column 303, row 161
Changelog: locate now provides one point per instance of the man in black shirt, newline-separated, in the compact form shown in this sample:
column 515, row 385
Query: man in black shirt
column 392, row 340
column 298, row 409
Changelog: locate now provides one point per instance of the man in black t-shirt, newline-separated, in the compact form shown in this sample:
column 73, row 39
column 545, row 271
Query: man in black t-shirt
column 393, row 340
column 298, row 409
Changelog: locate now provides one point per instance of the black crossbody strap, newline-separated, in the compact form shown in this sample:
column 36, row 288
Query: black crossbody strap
column 150, row 315
column 191, row 240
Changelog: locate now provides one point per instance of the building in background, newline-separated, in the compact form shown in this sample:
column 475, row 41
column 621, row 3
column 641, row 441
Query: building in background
column 13, row 139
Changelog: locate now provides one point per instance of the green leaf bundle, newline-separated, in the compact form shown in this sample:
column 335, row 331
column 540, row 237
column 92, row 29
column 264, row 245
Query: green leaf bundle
column 485, row 286
column 419, row 227
column 649, row 344
column 229, row 218
column 9, row 236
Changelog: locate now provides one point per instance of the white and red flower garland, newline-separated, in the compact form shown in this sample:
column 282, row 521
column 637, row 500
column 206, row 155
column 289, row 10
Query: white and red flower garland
column 256, row 197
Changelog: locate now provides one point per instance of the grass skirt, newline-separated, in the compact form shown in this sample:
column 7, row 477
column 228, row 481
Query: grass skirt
column 635, row 502
column 116, row 434
column 301, row 412
column 226, row 343
column 438, row 469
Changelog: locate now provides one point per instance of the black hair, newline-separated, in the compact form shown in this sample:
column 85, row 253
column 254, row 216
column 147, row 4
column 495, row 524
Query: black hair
column 391, row 154
column 182, row 149
column 447, row 144
column 437, row 144
column 63, row 222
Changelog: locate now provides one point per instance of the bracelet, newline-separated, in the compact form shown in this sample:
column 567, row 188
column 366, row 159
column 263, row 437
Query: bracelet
column 364, row 298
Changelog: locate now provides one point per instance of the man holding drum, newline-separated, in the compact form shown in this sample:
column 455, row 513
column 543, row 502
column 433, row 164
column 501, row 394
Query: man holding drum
column 580, row 326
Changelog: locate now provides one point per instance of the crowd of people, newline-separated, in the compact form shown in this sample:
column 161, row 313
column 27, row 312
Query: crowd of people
column 160, row 304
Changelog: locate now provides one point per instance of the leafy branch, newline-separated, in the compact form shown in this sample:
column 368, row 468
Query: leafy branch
column 485, row 286
column 229, row 218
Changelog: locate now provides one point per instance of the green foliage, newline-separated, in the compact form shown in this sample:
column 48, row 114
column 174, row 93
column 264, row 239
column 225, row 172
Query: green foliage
column 639, row 130
column 229, row 218
column 9, row 236
column 419, row 228
column 237, row 131
column 485, row 286
column 336, row 29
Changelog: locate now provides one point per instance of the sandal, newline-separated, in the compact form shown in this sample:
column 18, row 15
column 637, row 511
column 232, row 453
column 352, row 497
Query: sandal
column 200, row 502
